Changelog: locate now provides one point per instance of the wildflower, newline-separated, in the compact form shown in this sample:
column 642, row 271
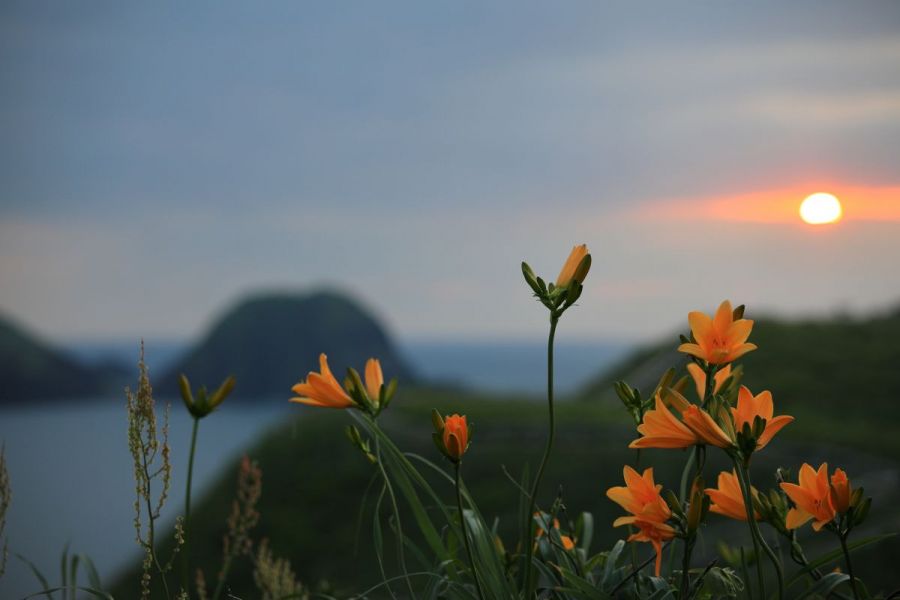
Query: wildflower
column 321, row 389
column 576, row 267
column 749, row 407
column 661, row 429
column 812, row 496
column 728, row 499
column 451, row 435
column 705, row 427
column 841, row 491
column 649, row 512
column 720, row 339
column 699, row 377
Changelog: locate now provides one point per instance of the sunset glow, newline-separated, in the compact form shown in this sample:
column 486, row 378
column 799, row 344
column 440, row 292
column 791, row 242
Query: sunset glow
column 820, row 208
column 872, row 204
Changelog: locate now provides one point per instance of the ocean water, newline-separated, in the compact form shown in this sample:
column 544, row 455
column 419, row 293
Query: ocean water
column 71, row 479
column 511, row 366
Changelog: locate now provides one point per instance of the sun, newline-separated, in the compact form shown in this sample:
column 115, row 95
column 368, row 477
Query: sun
column 821, row 208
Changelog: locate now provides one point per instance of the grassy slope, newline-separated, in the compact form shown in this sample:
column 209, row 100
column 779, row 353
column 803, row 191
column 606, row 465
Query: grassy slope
column 840, row 376
column 840, row 382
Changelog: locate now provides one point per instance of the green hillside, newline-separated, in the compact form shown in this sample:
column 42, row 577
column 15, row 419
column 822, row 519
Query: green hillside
column 828, row 371
column 31, row 369
column 272, row 340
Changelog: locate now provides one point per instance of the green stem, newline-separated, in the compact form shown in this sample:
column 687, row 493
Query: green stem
column 465, row 534
column 186, row 554
column 843, row 537
column 529, row 537
column 685, row 569
column 759, row 541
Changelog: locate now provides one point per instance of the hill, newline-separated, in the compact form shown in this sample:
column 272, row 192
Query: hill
column 31, row 369
column 270, row 341
column 840, row 370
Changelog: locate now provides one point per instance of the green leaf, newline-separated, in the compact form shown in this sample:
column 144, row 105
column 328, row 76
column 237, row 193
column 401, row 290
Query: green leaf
column 825, row 586
column 585, row 530
column 611, row 559
column 93, row 575
column 834, row 555
column 38, row 575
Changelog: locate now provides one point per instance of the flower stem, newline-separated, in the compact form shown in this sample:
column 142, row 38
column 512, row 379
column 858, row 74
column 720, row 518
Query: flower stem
column 465, row 534
column 685, row 568
column 843, row 537
column 186, row 554
column 554, row 319
column 758, row 540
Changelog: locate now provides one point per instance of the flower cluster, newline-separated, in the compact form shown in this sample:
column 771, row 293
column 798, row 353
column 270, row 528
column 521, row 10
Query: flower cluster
column 728, row 416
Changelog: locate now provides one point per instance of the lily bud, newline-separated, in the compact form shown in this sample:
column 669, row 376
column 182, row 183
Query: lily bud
column 202, row 404
column 840, row 491
column 451, row 435
column 576, row 266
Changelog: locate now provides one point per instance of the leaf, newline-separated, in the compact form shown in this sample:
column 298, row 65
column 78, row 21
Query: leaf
column 834, row 555
column 585, row 530
column 611, row 559
column 825, row 585
column 37, row 573
column 93, row 575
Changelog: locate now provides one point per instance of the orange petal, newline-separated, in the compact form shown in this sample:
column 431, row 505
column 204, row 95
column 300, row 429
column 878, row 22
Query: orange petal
column 739, row 331
column 773, row 427
column 374, row 379
column 701, row 325
column 693, row 350
column 796, row 518
column 723, row 318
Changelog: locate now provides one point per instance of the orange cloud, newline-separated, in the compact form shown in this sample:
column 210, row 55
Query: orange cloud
column 778, row 206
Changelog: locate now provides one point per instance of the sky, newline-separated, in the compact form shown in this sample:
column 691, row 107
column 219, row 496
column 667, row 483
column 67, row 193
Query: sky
column 158, row 162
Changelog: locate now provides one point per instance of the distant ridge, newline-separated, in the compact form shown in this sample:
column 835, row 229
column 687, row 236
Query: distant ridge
column 830, row 364
column 270, row 341
column 31, row 369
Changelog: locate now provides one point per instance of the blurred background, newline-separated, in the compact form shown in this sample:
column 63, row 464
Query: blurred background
column 244, row 186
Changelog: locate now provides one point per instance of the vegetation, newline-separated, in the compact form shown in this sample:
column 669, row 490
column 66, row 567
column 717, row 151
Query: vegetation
column 337, row 516
column 389, row 515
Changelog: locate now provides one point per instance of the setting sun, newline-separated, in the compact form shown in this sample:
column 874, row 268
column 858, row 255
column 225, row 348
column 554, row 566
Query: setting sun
column 820, row 208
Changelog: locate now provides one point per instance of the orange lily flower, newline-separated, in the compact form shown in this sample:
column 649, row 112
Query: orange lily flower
column 841, row 491
column 699, row 377
column 720, row 339
column 812, row 496
column 456, row 436
column 750, row 407
column 728, row 499
column 704, row 426
column 649, row 512
column 571, row 268
column 661, row 429
column 322, row 389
